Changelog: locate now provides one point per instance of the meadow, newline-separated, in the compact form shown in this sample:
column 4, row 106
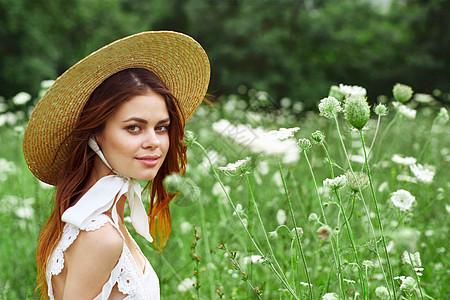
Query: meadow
column 278, row 202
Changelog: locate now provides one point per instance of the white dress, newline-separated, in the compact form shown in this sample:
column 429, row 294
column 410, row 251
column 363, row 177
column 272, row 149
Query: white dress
column 126, row 274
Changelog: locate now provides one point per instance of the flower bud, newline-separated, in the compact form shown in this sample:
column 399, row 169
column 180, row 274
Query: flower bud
column 318, row 136
column 299, row 231
column 381, row 109
column 336, row 92
column 357, row 182
column 313, row 217
column 402, row 93
column 189, row 138
column 382, row 292
column 304, row 144
column 442, row 117
column 356, row 111
column 329, row 107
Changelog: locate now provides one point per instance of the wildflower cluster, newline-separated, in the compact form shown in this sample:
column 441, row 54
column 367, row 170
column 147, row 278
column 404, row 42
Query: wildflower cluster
column 240, row 167
column 329, row 107
column 275, row 142
column 336, row 183
column 402, row 199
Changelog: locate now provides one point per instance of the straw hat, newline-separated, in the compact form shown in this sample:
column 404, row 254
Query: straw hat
column 176, row 58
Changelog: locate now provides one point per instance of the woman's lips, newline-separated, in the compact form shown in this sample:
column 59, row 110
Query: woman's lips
column 149, row 161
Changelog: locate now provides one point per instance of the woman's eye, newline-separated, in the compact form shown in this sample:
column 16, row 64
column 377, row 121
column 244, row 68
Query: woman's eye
column 163, row 128
column 133, row 128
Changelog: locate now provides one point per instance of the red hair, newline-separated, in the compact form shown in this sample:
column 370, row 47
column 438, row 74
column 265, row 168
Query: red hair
column 72, row 179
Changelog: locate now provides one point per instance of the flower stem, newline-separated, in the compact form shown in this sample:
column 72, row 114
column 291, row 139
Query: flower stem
column 252, row 197
column 352, row 242
column 419, row 157
column 378, row 214
column 335, row 251
column 274, row 270
column 362, row 198
column 387, row 129
column 311, row 295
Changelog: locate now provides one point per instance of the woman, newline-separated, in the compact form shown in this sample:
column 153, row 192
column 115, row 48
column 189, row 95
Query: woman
column 115, row 117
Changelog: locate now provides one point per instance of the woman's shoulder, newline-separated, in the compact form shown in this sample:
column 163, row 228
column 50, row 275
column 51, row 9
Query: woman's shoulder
column 100, row 248
column 103, row 239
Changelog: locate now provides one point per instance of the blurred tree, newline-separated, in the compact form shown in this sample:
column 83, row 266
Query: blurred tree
column 289, row 48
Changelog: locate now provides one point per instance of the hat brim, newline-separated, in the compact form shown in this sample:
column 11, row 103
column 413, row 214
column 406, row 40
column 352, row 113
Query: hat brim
column 176, row 58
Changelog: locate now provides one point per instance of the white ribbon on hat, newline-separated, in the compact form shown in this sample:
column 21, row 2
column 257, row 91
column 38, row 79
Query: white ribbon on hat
column 104, row 194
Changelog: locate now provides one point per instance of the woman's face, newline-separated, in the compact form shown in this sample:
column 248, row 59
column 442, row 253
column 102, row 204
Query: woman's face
column 135, row 139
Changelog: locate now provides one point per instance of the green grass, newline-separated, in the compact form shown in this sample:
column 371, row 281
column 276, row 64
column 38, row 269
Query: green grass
column 423, row 229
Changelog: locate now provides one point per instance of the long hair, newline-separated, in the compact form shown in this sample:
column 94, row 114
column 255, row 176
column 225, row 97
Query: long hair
column 72, row 179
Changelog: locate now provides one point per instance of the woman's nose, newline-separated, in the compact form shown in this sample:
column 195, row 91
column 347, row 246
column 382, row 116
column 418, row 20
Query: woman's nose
column 151, row 140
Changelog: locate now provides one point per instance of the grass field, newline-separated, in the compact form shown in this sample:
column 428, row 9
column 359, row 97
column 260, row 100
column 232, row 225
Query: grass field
column 383, row 235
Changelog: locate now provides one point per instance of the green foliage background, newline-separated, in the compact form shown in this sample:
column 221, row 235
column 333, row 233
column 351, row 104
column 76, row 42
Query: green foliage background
column 289, row 48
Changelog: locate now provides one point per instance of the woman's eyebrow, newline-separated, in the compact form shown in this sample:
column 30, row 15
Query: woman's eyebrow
column 164, row 121
column 143, row 121
column 139, row 120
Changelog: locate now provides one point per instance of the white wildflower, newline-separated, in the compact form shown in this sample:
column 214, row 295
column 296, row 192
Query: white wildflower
column 402, row 199
column 357, row 158
column 336, row 183
column 252, row 259
column 330, row 296
column 3, row 107
column 442, row 117
column 237, row 166
column 349, row 281
column 406, row 178
column 285, row 102
column 239, row 210
column 299, row 231
column 283, row 133
column 413, row 259
column 423, row 98
column 408, row 285
column 8, row 118
column 424, row 175
column 408, row 160
column 281, row 217
column 368, row 264
column 21, row 98
column 273, row 234
column 46, row 84
column 262, row 96
column 352, row 90
column 383, row 186
column 305, row 283
column 185, row 227
column 406, row 111
column 186, row 284
column 25, row 212
column 260, row 141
